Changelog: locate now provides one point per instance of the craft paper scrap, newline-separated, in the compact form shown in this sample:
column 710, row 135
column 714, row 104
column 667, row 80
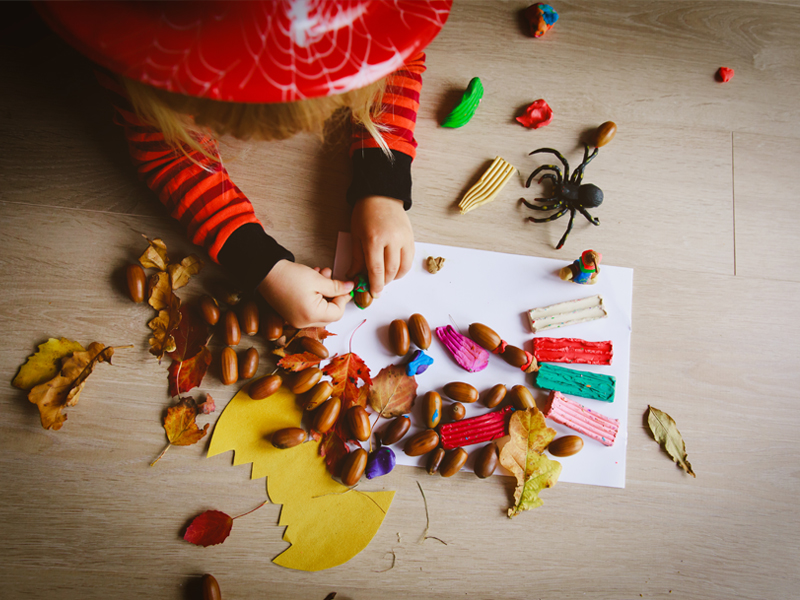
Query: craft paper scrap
column 326, row 523
column 497, row 289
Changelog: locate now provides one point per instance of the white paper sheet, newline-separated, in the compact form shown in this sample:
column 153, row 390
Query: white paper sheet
column 497, row 289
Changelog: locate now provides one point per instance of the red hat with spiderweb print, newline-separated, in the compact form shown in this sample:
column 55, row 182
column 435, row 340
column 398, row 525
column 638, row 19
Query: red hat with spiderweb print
column 250, row 51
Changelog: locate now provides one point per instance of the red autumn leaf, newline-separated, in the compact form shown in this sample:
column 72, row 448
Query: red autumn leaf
column 317, row 333
column 208, row 406
column 299, row 362
column 393, row 392
column 333, row 447
column 211, row 527
column 184, row 375
column 191, row 335
column 345, row 371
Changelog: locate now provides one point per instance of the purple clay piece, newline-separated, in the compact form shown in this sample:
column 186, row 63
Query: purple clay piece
column 419, row 363
column 380, row 462
column 468, row 354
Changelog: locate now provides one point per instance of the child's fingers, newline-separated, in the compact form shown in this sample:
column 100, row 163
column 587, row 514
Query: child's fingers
column 391, row 262
column 326, row 272
column 376, row 272
column 333, row 288
column 357, row 265
column 406, row 261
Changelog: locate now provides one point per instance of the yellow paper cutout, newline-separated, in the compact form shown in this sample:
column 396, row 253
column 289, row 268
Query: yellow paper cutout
column 326, row 524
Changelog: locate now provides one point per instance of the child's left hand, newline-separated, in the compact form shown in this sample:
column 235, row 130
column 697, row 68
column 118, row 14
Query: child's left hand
column 383, row 241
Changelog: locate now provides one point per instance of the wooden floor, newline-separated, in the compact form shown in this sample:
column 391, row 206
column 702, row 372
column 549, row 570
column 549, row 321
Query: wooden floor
column 701, row 201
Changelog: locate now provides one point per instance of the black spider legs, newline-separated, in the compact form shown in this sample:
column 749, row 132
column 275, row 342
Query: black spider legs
column 590, row 218
column 558, row 179
column 577, row 176
column 549, row 206
column 569, row 228
column 552, row 217
column 559, row 156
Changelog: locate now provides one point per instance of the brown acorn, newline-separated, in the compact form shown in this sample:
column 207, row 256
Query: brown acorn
column 396, row 430
column 461, row 392
column 326, row 415
column 248, row 363
column 362, row 299
column 604, row 134
column 399, row 339
column 209, row 308
column 353, row 466
column 230, row 366
column 495, row 396
column 420, row 331
column 272, row 325
column 514, row 356
column 421, row 443
column 484, row 336
column 288, row 437
column 457, row 411
column 318, row 394
column 249, row 317
column 486, row 461
column 233, row 334
column 432, row 409
column 566, row 445
column 265, row 387
column 522, row 398
column 435, row 460
column 306, row 379
column 137, row 282
column 316, row 347
column 358, row 421
column 452, row 462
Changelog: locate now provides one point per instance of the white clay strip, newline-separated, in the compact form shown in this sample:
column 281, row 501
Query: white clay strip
column 583, row 420
column 567, row 313
column 488, row 186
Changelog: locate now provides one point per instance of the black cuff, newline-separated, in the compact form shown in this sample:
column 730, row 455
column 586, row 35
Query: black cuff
column 249, row 255
column 374, row 174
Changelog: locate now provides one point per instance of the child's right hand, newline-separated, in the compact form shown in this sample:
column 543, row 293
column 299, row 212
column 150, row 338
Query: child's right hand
column 305, row 297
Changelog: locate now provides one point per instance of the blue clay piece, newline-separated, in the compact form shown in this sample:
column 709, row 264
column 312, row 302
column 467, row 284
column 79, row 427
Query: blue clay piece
column 380, row 462
column 419, row 363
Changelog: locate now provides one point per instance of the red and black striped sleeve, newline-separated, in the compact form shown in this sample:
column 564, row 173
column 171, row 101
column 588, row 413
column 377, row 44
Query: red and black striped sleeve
column 198, row 192
column 374, row 173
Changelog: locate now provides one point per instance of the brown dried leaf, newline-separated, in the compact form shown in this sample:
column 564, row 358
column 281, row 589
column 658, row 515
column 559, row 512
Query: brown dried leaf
column 163, row 327
column 45, row 364
column 160, row 286
column 665, row 431
column 393, row 392
column 181, row 273
column 64, row 389
column 155, row 257
column 180, row 425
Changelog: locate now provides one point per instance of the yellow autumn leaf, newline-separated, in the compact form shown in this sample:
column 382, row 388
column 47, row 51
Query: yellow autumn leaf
column 155, row 257
column 160, row 286
column 64, row 389
column 522, row 455
column 181, row 272
column 45, row 363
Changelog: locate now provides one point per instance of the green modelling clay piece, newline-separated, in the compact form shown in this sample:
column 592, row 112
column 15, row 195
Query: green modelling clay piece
column 576, row 382
column 464, row 110
column 362, row 285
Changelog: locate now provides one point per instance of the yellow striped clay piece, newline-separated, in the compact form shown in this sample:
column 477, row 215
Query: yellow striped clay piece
column 488, row 186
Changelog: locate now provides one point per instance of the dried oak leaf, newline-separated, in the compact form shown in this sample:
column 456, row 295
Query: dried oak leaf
column 345, row 371
column 155, row 257
column 393, row 392
column 64, row 389
column 181, row 273
column 160, row 294
column 180, row 425
column 522, row 455
column 45, row 363
column 209, row 528
column 665, row 431
column 164, row 326
column 299, row 362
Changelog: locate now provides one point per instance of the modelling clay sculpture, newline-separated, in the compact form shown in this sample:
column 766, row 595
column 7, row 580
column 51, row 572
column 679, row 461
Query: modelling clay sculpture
column 537, row 114
column 475, row 430
column 360, row 293
column 466, row 107
column 434, row 265
column 541, row 18
column 572, row 350
column 488, row 186
column 516, row 357
column 469, row 355
column 380, row 462
column 576, row 382
column 724, row 74
column 584, row 270
column 419, row 363
column 567, row 313
column 583, row 420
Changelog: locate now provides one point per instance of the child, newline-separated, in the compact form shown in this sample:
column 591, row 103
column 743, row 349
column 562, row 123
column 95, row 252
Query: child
column 184, row 72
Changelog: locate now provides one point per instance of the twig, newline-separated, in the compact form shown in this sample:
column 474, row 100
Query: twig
column 394, row 560
column 352, row 489
column 425, row 535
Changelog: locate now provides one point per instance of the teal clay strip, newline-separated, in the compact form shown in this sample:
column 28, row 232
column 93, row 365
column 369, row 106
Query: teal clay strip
column 576, row 382
column 466, row 108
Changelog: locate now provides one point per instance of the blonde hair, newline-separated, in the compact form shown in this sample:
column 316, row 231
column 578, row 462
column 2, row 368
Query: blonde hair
column 182, row 119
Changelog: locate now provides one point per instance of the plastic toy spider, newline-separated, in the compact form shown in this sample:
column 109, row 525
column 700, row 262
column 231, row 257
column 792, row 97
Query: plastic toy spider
column 569, row 194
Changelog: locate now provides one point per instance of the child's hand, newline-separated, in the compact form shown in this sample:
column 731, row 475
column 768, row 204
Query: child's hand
column 304, row 296
column 383, row 241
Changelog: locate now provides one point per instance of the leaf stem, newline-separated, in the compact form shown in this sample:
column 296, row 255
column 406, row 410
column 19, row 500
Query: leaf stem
column 350, row 345
column 163, row 452
column 251, row 511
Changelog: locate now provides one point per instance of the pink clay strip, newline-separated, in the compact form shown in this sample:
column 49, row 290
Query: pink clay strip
column 583, row 420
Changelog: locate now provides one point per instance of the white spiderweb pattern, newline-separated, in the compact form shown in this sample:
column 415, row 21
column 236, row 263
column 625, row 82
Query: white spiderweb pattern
column 293, row 49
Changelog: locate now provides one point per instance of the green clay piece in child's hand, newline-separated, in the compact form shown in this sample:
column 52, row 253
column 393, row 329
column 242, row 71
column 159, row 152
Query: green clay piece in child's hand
column 361, row 293
column 466, row 108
